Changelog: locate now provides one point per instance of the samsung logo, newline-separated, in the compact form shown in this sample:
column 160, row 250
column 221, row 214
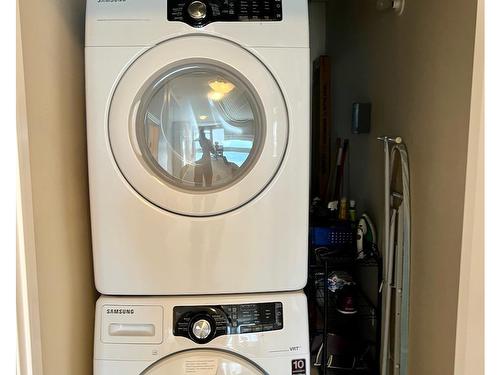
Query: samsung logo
column 119, row 311
column 111, row 1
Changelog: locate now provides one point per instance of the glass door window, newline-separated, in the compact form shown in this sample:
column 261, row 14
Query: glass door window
column 193, row 134
column 200, row 128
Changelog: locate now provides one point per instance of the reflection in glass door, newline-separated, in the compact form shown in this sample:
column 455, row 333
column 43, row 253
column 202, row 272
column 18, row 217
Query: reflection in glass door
column 200, row 128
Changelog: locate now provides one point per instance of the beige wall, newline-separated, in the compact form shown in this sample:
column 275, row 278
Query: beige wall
column 52, row 45
column 416, row 70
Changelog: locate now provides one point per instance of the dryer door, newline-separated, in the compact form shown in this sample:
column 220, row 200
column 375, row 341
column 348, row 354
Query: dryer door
column 204, row 362
column 198, row 126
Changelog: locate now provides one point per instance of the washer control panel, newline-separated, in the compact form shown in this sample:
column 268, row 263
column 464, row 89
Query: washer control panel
column 203, row 323
column 199, row 13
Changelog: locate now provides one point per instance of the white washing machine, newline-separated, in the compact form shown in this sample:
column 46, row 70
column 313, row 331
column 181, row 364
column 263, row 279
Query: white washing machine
column 198, row 145
column 211, row 335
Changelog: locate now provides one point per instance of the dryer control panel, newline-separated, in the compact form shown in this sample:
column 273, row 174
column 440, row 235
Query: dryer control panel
column 203, row 323
column 199, row 13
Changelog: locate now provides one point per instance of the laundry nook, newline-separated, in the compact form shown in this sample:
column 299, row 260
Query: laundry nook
column 250, row 187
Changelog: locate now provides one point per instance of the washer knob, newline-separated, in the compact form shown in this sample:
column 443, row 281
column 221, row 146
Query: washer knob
column 201, row 329
column 197, row 10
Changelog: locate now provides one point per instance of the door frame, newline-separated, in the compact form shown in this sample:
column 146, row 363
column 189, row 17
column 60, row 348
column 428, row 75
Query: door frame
column 29, row 348
column 469, row 346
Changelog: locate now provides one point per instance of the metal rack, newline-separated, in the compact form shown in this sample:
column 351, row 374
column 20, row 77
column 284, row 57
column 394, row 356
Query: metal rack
column 368, row 310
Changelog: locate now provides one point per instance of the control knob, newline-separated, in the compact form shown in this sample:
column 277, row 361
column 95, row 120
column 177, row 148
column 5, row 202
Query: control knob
column 197, row 10
column 201, row 329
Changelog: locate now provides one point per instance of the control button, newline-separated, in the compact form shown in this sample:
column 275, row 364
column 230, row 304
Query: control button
column 257, row 328
column 267, row 327
column 245, row 329
column 197, row 10
column 202, row 329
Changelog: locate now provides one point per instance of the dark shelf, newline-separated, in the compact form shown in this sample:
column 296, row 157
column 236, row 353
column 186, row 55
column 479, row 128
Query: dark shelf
column 329, row 320
column 340, row 260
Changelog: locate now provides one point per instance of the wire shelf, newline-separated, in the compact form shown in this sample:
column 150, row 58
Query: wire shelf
column 327, row 317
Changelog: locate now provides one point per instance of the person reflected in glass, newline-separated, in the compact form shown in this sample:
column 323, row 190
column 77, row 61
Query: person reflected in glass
column 219, row 150
column 203, row 166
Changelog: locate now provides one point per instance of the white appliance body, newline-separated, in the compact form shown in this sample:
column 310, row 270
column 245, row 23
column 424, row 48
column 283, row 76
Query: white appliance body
column 140, row 335
column 158, row 229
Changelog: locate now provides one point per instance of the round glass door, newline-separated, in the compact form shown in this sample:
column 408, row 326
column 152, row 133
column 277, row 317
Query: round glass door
column 198, row 132
column 199, row 127
column 206, row 362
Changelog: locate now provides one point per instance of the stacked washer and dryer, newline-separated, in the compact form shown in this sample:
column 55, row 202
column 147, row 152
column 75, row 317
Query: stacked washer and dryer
column 198, row 149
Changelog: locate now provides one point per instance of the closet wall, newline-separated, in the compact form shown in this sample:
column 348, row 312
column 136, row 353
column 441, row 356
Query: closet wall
column 52, row 33
column 416, row 69
column 317, row 28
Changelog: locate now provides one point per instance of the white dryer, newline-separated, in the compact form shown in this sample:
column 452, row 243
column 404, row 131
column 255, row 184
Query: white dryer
column 198, row 145
column 259, row 334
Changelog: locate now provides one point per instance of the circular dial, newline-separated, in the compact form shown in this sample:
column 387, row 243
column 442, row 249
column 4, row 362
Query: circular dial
column 201, row 329
column 197, row 10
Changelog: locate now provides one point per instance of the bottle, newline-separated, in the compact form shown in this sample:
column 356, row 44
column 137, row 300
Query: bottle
column 352, row 210
column 333, row 207
column 315, row 204
column 343, row 209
